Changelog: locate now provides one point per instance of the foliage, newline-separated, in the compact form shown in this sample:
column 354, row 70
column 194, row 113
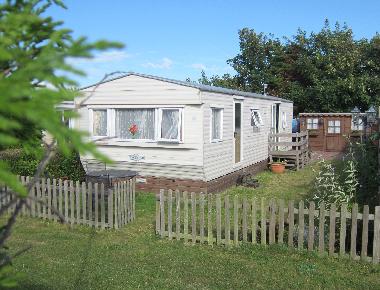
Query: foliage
column 328, row 188
column 34, row 53
column 327, row 71
column 24, row 163
column 133, row 258
column 34, row 78
column 355, row 179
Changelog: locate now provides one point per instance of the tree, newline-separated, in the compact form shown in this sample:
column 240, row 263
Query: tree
column 328, row 71
column 34, row 69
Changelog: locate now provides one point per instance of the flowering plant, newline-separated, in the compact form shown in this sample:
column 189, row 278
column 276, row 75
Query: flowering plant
column 133, row 129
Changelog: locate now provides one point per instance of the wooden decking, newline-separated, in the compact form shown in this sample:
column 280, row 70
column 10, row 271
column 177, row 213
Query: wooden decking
column 293, row 148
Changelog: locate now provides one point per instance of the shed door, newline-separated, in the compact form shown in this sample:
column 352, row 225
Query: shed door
column 333, row 132
column 237, row 132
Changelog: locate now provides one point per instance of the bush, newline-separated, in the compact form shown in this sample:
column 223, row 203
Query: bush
column 25, row 163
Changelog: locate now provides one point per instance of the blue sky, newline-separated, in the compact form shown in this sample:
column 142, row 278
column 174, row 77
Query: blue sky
column 177, row 39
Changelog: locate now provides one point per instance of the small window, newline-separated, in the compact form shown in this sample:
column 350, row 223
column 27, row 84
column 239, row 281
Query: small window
column 333, row 127
column 216, row 124
column 99, row 122
column 256, row 120
column 284, row 121
column 312, row 124
column 358, row 125
column 170, row 125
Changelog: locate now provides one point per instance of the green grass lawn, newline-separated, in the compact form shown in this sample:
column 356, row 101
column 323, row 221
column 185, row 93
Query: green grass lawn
column 133, row 257
column 292, row 185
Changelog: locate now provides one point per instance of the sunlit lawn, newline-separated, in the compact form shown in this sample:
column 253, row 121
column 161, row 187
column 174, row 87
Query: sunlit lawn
column 134, row 257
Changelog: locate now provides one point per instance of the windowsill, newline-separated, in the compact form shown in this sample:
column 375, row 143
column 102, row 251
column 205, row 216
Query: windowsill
column 217, row 141
column 147, row 144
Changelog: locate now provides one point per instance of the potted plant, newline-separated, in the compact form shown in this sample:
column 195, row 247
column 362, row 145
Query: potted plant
column 278, row 167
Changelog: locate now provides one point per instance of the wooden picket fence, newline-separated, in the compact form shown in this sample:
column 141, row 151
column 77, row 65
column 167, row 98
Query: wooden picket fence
column 216, row 220
column 79, row 203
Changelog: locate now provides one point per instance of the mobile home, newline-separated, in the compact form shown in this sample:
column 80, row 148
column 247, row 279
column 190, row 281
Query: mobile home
column 179, row 134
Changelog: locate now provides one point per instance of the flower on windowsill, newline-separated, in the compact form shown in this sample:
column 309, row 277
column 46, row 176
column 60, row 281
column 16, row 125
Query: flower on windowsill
column 133, row 129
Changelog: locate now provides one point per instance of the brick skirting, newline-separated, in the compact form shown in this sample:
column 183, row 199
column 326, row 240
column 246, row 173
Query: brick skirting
column 154, row 184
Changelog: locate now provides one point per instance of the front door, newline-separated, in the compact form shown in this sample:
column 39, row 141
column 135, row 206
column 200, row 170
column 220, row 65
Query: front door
column 333, row 134
column 237, row 131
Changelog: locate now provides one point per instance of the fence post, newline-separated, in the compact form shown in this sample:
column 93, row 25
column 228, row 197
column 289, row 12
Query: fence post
column 376, row 236
column 291, row 223
column 185, row 216
column 263, row 222
column 227, row 231
column 321, row 241
column 342, row 234
column 170, row 210
column 193, row 218
column 110, row 208
column 310, row 241
column 236, row 220
column 301, row 225
column 162, row 211
column 332, row 229
column 178, row 214
column 363, row 254
column 158, row 214
column 218, row 220
column 244, row 223
column 354, row 228
column 202, row 217
column 272, row 222
column 280, row 238
column 209, row 219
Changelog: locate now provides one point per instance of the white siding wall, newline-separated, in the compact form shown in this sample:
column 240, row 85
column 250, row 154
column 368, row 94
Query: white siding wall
column 184, row 160
column 136, row 90
column 219, row 157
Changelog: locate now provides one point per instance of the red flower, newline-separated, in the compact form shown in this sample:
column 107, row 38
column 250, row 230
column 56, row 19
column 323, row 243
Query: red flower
column 133, row 129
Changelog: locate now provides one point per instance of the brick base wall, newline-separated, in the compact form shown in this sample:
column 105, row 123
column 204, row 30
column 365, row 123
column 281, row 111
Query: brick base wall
column 154, row 184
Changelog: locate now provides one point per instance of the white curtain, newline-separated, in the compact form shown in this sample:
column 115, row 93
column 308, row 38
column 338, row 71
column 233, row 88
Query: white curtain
column 170, row 124
column 142, row 118
column 99, row 122
column 216, row 124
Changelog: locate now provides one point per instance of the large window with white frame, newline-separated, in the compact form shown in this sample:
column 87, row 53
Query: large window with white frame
column 99, row 123
column 312, row 123
column 256, row 120
column 216, row 124
column 138, row 124
column 135, row 124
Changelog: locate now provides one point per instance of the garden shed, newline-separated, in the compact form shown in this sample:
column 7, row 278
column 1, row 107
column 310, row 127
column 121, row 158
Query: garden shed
column 179, row 134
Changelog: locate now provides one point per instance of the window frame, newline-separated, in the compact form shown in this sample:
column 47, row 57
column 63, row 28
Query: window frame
column 158, row 125
column 259, row 118
column 134, row 139
column 312, row 123
column 355, row 127
column 91, row 123
column 334, row 126
column 221, row 124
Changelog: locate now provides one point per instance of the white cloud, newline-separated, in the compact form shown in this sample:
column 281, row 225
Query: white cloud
column 102, row 57
column 200, row 66
column 165, row 63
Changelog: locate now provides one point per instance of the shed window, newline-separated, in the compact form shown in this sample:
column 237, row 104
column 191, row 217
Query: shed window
column 216, row 124
column 312, row 123
column 256, row 119
column 359, row 126
column 99, row 118
column 135, row 124
column 170, row 124
column 333, row 126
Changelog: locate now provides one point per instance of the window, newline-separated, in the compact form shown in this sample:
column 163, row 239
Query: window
column 135, row 124
column 256, row 119
column 359, row 126
column 312, row 124
column 284, row 122
column 170, row 125
column 333, row 127
column 99, row 122
column 216, row 124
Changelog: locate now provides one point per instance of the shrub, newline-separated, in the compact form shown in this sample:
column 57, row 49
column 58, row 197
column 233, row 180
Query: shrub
column 25, row 163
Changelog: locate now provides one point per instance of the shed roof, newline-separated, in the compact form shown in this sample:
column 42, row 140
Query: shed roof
column 201, row 87
column 327, row 114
